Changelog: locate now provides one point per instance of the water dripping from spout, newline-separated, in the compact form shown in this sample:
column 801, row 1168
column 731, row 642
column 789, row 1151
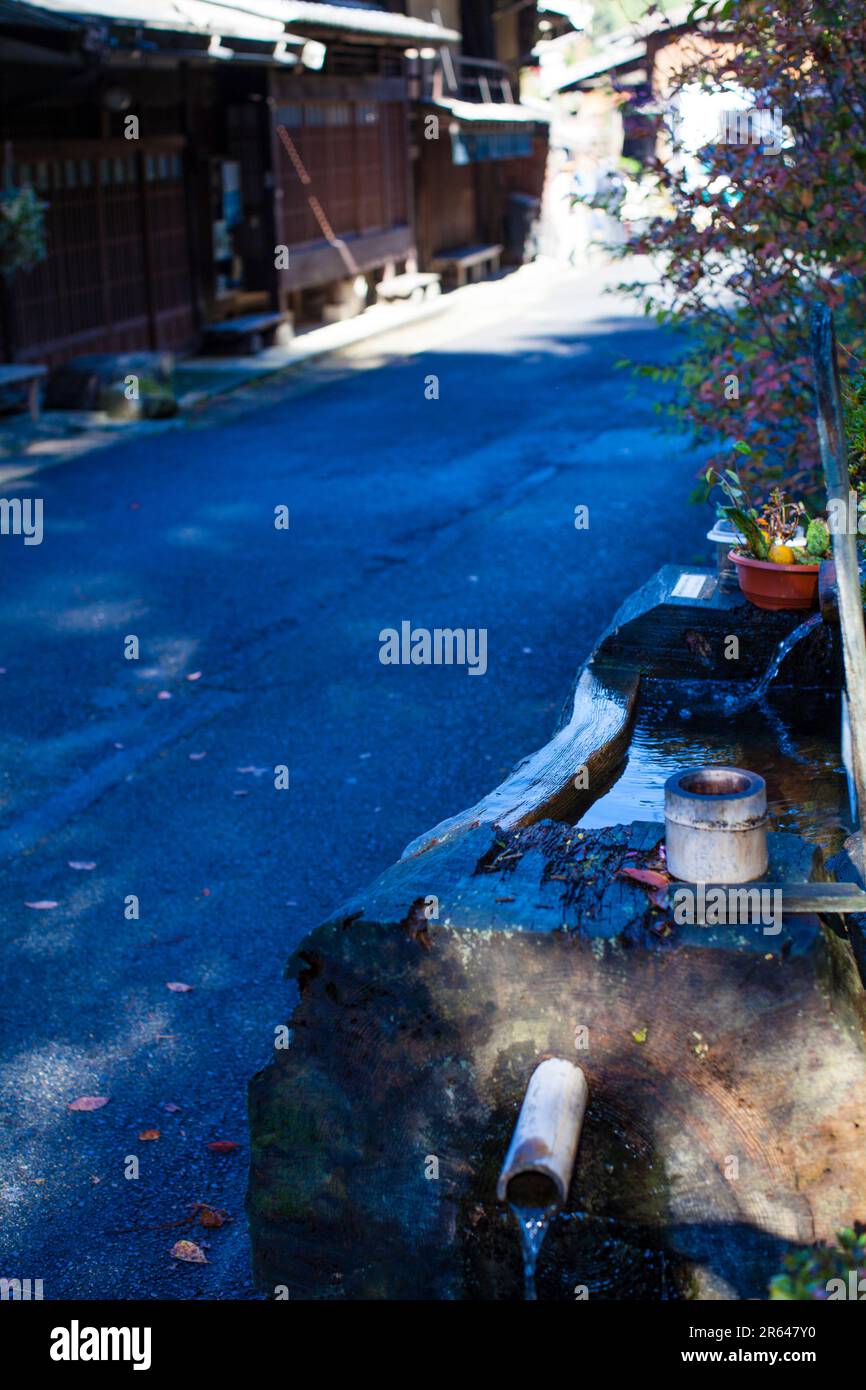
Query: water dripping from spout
column 535, row 1176
column 533, row 1224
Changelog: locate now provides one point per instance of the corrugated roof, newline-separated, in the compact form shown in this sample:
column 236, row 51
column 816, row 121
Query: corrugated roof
column 356, row 19
column 629, row 45
column 487, row 112
column 610, row 61
column 265, row 21
column 207, row 17
column 16, row 12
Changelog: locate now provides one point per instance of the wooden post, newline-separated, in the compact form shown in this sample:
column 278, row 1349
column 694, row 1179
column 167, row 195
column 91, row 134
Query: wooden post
column 834, row 456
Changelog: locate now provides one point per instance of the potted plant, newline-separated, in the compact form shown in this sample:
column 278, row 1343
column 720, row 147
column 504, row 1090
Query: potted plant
column 781, row 549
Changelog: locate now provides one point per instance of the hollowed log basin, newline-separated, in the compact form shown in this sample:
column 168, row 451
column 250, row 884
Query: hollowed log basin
column 726, row 1072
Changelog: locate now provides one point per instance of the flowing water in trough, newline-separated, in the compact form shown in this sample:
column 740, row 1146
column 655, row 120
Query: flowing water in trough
column 792, row 738
column 761, row 689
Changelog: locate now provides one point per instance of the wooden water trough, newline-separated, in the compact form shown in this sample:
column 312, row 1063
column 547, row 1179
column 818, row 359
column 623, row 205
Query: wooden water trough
column 725, row 1063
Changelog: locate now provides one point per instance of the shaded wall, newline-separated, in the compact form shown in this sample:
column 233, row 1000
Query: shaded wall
column 118, row 271
column 462, row 204
column 350, row 137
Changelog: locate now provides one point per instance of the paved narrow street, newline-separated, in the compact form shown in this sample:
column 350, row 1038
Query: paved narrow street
column 452, row 512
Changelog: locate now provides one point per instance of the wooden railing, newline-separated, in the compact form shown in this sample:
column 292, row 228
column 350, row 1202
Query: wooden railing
column 466, row 79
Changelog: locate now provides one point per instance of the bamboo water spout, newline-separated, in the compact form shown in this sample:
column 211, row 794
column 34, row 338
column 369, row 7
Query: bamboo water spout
column 536, row 1174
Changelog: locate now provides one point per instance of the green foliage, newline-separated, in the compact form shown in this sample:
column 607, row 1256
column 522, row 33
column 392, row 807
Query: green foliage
column 22, row 230
column 742, row 251
column 807, row 1273
column 817, row 537
column 748, row 527
column 854, row 401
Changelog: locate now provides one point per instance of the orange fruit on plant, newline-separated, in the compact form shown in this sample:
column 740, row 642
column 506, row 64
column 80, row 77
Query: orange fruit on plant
column 781, row 554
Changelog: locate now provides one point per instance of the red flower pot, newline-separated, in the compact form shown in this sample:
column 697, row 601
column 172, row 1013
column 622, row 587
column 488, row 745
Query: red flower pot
column 768, row 585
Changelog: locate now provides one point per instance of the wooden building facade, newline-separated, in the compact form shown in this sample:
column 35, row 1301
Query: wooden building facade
column 480, row 153
column 117, row 276
column 353, row 133
column 178, row 150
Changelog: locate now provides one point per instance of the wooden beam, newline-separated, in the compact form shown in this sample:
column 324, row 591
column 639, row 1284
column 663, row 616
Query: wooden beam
column 820, row 898
column 834, row 456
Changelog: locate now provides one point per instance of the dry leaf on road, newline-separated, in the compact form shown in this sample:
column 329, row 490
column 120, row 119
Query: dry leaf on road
column 188, row 1251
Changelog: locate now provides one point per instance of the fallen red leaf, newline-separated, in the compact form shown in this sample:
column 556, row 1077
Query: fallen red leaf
column 650, row 878
column 149, row 1134
column 88, row 1103
column 223, row 1146
column 210, row 1217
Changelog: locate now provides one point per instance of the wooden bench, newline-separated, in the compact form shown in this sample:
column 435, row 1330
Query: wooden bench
column 462, row 262
column 411, row 286
column 27, row 375
column 244, row 335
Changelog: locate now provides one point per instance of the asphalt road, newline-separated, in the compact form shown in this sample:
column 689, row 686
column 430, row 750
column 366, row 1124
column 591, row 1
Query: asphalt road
column 453, row 512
